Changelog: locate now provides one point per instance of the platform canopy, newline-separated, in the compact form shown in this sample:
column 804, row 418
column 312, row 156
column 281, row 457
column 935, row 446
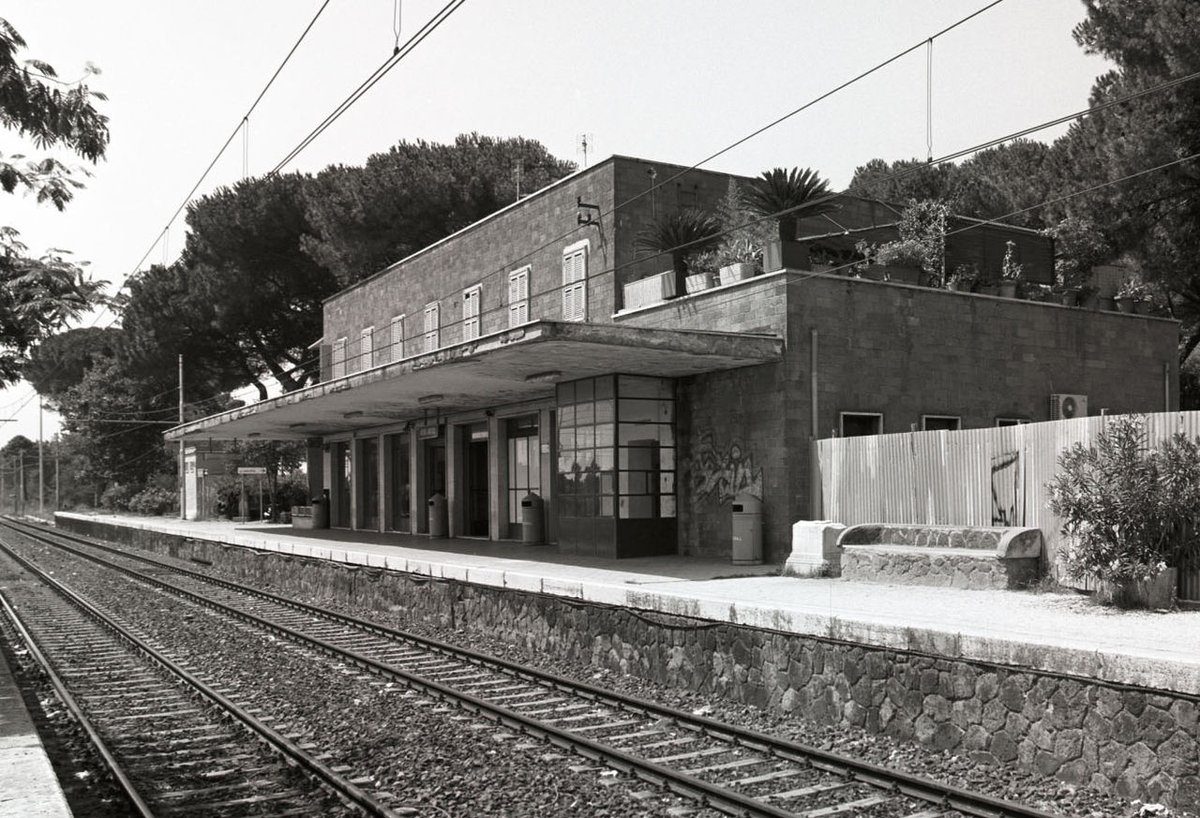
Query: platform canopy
column 517, row 365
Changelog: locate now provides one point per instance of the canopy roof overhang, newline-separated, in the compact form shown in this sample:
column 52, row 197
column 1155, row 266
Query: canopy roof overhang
column 508, row 367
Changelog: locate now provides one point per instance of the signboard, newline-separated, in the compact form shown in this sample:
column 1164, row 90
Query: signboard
column 252, row 469
column 428, row 432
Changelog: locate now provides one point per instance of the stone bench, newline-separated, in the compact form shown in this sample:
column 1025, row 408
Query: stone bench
column 985, row 557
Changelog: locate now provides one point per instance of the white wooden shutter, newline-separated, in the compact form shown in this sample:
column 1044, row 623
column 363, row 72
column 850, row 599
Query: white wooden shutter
column 339, row 358
column 432, row 325
column 574, row 292
column 471, row 313
column 518, row 297
column 366, row 348
column 397, row 339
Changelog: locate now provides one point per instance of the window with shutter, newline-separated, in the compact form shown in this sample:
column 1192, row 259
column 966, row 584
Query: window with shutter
column 471, row 298
column 432, row 327
column 518, row 297
column 574, row 293
column 397, row 339
column 366, row 348
column 339, row 358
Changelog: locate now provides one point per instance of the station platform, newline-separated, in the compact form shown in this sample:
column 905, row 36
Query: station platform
column 29, row 787
column 1055, row 632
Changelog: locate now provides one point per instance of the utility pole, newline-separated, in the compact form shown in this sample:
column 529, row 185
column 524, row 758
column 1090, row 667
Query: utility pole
column 56, row 502
column 182, row 474
column 20, row 483
column 41, row 466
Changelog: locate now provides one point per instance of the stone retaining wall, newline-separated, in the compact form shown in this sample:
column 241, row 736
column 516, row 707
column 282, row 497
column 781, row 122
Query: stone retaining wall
column 1137, row 742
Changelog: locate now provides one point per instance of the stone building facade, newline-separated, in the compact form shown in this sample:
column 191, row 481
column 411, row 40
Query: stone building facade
column 505, row 362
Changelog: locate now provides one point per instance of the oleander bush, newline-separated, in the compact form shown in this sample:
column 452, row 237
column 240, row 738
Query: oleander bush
column 155, row 501
column 1129, row 507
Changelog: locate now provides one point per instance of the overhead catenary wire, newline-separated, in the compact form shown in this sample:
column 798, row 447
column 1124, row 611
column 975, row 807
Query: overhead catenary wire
column 890, row 177
column 430, row 25
column 225, row 145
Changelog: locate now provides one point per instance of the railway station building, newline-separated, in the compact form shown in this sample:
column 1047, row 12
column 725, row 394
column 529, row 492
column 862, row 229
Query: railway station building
column 539, row 352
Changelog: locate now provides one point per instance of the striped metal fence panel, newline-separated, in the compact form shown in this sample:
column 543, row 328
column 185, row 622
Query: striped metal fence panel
column 994, row 476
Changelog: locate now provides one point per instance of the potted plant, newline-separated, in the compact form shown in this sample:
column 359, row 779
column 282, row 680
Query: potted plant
column 787, row 196
column 963, row 278
column 902, row 260
column 1131, row 292
column 680, row 235
column 701, row 271
column 1128, row 509
column 738, row 260
column 1010, row 271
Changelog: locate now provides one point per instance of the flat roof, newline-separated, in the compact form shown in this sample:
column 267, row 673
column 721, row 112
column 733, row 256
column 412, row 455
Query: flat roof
column 516, row 365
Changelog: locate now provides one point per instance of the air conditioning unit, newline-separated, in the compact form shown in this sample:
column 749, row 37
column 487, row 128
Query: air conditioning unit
column 1065, row 407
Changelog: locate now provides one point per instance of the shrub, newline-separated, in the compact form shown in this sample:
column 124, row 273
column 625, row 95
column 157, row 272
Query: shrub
column 154, row 501
column 116, row 497
column 1130, row 509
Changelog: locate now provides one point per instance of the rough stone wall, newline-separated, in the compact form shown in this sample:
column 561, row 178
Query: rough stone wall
column 985, row 571
column 927, row 536
column 1136, row 742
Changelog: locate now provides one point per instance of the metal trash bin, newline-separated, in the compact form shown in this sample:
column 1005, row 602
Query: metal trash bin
column 437, row 515
column 320, row 512
column 531, row 519
column 747, row 530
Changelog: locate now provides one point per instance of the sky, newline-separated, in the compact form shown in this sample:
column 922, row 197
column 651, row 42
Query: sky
column 669, row 80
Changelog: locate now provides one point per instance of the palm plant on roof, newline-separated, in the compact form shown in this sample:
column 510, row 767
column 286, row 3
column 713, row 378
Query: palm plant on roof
column 788, row 196
column 680, row 234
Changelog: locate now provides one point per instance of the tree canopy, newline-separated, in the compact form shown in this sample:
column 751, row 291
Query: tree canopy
column 39, row 294
column 368, row 217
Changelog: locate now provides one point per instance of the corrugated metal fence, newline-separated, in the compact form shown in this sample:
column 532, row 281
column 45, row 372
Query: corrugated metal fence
column 992, row 476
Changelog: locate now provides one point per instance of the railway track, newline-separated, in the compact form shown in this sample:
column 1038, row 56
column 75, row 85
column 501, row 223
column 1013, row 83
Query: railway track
column 719, row 766
column 173, row 744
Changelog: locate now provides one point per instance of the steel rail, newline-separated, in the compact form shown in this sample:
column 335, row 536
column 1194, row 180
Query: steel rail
column 68, row 700
column 351, row 793
column 942, row 795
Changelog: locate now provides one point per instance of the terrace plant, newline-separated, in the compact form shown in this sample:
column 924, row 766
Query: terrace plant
column 682, row 235
column 786, row 196
column 1130, row 509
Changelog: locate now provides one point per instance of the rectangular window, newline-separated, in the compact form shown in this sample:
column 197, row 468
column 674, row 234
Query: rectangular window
column 432, row 327
column 1011, row 421
column 518, row 297
column 366, row 348
column 339, row 358
column 471, row 298
column 933, row 423
column 397, row 338
column 574, row 277
column 855, row 424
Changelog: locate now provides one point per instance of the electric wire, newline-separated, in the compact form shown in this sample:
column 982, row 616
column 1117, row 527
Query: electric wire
column 431, row 25
column 220, row 152
column 891, row 177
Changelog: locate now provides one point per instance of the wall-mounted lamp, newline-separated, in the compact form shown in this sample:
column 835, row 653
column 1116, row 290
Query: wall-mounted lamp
column 424, row 399
column 586, row 218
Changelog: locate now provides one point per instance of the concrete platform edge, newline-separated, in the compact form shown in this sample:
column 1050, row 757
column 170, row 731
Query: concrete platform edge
column 1047, row 654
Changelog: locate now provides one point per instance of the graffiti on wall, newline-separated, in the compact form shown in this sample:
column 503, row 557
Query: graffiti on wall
column 1007, row 494
column 722, row 474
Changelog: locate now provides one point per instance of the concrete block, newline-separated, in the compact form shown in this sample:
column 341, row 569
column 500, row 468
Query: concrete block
column 814, row 549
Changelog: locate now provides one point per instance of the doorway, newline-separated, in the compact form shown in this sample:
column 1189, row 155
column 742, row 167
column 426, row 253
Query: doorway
column 476, row 473
column 369, row 484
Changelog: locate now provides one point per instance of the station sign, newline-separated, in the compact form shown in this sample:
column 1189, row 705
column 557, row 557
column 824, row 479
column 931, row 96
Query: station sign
column 252, row 469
